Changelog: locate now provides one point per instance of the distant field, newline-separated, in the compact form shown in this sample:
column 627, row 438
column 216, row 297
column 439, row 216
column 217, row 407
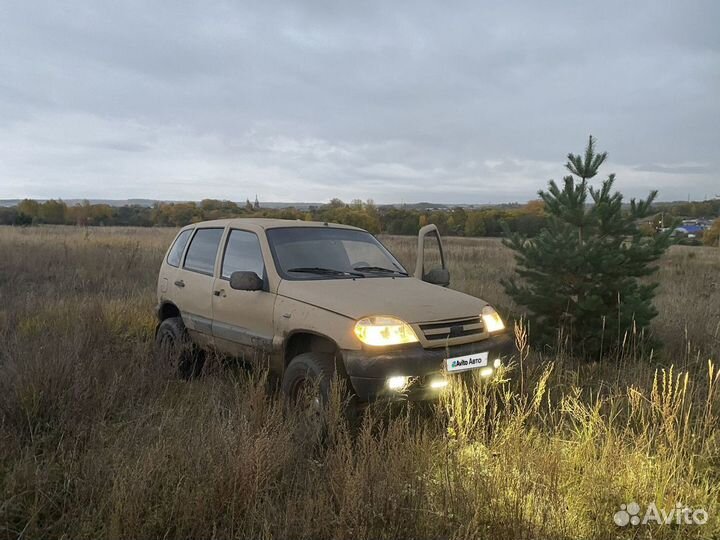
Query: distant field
column 99, row 440
column 688, row 298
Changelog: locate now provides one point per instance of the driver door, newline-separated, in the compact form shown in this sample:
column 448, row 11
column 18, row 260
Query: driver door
column 242, row 320
column 430, row 265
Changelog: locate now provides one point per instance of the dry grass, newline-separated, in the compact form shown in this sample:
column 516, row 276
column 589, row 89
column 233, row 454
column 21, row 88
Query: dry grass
column 688, row 298
column 97, row 440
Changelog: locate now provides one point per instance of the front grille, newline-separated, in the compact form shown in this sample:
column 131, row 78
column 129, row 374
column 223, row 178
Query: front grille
column 436, row 331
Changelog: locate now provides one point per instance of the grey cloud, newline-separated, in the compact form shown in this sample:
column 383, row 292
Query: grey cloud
column 470, row 103
column 675, row 169
column 122, row 146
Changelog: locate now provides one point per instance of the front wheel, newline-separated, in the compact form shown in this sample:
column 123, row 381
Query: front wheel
column 307, row 383
column 176, row 350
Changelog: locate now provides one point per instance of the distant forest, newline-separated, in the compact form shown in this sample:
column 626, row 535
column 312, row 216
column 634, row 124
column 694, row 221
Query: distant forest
column 526, row 219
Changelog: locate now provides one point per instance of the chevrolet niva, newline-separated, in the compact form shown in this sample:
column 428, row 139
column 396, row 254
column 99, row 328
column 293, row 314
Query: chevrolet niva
column 312, row 301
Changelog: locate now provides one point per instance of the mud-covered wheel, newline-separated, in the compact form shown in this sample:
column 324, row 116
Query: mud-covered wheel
column 306, row 384
column 176, row 350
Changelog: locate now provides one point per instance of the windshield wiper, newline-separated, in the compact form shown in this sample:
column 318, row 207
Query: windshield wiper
column 379, row 269
column 324, row 271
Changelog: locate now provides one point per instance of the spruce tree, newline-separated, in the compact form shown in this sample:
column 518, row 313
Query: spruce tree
column 579, row 278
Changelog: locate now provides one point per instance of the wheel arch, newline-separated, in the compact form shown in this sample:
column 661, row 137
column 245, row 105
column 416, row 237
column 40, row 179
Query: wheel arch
column 167, row 309
column 303, row 341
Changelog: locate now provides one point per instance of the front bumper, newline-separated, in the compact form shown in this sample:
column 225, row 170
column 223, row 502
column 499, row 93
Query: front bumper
column 369, row 370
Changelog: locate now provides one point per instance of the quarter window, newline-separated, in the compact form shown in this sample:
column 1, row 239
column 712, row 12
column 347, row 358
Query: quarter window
column 242, row 254
column 176, row 252
column 202, row 251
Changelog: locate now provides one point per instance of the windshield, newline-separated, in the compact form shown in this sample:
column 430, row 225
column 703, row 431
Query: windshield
column 330, row 253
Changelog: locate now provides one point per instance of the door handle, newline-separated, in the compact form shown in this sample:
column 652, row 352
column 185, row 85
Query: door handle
column 221, row 292
column 180, row 283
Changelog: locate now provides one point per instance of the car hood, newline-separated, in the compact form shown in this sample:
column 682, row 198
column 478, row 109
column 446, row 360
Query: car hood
column 406, row 298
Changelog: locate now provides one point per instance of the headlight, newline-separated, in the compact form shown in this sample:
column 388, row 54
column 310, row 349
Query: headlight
column 491, row 320
column 384, row 331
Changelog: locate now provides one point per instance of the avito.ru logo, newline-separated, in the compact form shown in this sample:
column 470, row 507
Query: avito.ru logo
column 629, row 514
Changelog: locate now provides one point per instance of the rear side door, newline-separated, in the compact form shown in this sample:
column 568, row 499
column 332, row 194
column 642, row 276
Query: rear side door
column 193, row 283
column 171, row 263
column 243, row 320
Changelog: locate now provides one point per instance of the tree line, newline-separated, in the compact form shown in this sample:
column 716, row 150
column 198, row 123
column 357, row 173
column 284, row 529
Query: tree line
column 456, row 221
column 526, row 219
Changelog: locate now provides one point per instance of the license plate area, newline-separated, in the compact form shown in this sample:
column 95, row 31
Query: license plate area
column 467, row 362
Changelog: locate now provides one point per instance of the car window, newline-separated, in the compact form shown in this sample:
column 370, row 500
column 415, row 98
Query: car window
column 242, row 254
column 431, row 254
column 361, row 253
column 202, row 251
column 347, row 251
column 178, row 247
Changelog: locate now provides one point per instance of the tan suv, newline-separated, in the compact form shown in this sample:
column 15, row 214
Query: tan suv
column 309, row 300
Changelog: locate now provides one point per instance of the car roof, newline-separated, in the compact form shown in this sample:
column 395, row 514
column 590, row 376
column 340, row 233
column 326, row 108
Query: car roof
column 269, row 223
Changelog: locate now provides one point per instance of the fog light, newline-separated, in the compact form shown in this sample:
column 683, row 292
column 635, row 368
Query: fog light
column 397, row 383
column 436, row 384
column 497, row 363
column 486, row 372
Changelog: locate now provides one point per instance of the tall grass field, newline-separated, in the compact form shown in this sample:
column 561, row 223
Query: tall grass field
column 98, row 439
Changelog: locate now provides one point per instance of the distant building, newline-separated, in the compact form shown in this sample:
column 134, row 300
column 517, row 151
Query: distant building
column 689, row 231
column 699, row 222
column 692, row 228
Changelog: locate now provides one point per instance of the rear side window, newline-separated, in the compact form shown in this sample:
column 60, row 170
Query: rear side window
column 242, row 254
column 202, row 251
column 176, row 252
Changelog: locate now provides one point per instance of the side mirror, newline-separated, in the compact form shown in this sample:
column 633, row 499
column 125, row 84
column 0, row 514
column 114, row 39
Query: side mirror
column 246, row 281
column 438, row 276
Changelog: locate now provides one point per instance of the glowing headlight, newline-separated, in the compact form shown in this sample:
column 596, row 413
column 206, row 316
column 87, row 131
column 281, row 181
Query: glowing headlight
column 384, row 331
column 491, row 320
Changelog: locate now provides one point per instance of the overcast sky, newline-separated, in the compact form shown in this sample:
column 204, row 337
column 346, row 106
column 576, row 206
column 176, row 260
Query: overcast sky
column 465, row 102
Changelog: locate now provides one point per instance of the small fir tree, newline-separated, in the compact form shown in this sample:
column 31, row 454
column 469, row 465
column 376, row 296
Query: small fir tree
column 580, row 276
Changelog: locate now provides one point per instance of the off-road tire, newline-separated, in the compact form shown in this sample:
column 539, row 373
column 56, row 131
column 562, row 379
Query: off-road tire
column 174, row 348
column 316, row 368
column 308, row 367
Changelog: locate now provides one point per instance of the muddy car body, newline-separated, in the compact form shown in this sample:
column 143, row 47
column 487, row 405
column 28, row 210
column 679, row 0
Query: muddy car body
column 312, row 300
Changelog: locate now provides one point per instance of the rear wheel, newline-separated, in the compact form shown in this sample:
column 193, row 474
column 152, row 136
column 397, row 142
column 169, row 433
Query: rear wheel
column 176, row 350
